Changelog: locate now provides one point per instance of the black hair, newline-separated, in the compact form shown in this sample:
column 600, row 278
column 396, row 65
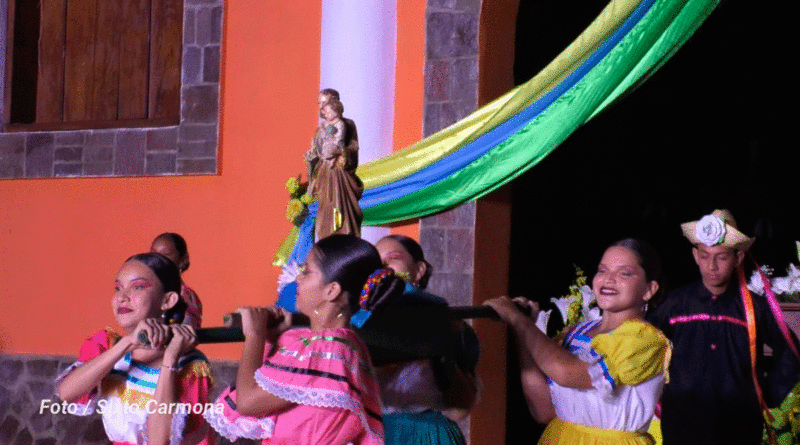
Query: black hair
column 646, row 254
column 349, row 261
column 180, row 246
column 170, row 277
column 415, row 250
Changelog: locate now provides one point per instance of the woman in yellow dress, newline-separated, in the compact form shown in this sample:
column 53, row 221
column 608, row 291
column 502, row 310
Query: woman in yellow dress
column 600, row 383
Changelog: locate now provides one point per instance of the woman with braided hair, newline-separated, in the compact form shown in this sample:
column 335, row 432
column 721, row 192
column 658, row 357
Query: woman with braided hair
column 315, row 384
column 423, row 399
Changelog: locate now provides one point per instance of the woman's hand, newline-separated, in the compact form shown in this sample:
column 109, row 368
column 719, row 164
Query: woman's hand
column 158, row 334
column 532, row 306
column 183, row 340
column 507, row 308
column 264, row 322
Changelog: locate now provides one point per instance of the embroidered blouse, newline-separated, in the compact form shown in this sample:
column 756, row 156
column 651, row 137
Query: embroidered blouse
column 328, row 376
column 125, row 396
column 627, row 369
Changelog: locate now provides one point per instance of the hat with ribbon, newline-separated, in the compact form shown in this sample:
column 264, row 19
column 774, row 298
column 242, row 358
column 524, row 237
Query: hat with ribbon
column 717, row 229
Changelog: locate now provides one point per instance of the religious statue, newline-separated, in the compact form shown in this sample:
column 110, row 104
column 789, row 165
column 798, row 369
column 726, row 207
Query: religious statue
column 331, row 162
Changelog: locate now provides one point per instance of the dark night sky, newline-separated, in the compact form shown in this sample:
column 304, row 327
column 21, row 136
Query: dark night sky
column 708, row 130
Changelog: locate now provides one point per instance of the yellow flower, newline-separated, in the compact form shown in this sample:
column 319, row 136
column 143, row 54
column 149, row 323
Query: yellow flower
column 294, row 209
column 575, row 308
column 307, row 199
column 293, row 184
column 574, row 312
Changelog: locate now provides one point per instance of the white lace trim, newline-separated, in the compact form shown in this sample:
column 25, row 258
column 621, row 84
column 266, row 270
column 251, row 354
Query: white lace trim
column 176, row 432
column 245, row 427
column 323, row 398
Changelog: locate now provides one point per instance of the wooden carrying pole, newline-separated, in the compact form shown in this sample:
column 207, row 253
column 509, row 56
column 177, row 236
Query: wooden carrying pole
column 409, row 329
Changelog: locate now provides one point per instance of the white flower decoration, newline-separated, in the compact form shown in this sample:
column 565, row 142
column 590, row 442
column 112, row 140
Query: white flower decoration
column 588, row 298
column 756, row 284
column 788, row 284
column 710, row 230
column 794, row 274
column 563, row 306
column 542, row 319
column 288, row 274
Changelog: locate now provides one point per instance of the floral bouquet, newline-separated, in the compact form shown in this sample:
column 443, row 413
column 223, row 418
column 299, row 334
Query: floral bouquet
column 578, row 305
column 299, row 199
column 786, row 288
column 785, row 426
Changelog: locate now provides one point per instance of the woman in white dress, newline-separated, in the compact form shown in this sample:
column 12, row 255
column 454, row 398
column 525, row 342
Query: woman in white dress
column 599, row 384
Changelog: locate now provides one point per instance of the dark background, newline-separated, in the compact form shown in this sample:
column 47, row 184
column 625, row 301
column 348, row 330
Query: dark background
column 711, row 129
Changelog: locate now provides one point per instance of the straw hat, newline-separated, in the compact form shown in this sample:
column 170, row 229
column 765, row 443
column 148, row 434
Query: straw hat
column 717, row 229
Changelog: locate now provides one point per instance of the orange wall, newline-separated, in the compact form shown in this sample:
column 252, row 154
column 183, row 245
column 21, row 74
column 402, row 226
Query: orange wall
column 409, row 85
column 63, row 240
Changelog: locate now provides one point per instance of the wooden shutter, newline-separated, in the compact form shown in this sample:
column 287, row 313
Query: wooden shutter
column 102, row 63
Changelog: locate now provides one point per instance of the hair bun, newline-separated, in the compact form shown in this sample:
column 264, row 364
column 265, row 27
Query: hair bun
column 382, row 288
column 372, row 282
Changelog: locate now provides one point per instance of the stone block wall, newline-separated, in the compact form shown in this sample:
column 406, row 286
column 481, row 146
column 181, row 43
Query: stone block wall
column 187, row 148
column 451, row 93
column 26, row 380
column 448, row 240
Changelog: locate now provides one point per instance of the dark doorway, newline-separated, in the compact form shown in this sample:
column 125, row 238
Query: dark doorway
column 711, row 129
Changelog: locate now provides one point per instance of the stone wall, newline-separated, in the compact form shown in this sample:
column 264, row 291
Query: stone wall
column 451, row 92
column 26, row 380
column 187, row 148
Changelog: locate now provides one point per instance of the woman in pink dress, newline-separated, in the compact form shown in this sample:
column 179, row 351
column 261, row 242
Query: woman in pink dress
column 315, row 384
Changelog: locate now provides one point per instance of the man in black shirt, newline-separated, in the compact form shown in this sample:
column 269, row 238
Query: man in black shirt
column 711, row 397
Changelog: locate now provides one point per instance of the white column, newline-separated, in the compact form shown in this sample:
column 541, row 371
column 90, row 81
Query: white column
column 357, row 58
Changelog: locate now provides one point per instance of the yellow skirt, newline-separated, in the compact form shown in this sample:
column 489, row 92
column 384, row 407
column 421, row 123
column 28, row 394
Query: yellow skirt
column 567, row 433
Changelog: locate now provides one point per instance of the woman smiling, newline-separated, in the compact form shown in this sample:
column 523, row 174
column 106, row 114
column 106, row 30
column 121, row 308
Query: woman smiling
column 600, row 385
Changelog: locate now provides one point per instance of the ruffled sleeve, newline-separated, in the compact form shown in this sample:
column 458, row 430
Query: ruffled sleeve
column 328, row 369
column 195, row 386
column 232, row 425
column 93, row 346
column 631, row 354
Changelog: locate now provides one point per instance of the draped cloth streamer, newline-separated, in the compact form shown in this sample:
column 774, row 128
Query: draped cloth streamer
column 774, row 306
column 621, row 48
column 750, row 318
column 627, row 42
